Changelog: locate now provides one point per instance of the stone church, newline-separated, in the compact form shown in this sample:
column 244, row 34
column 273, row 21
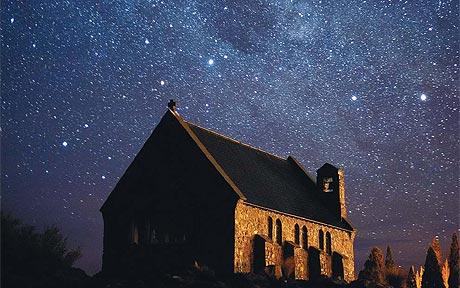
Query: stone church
column 192, row 195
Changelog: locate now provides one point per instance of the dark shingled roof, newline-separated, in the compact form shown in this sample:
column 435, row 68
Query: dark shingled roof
column 268, row 180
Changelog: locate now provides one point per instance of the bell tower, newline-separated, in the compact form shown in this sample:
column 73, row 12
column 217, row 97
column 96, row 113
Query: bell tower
column 331, row 183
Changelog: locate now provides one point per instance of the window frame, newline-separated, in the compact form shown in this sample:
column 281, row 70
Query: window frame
column 328, row 243
column 279, row 232
column 270, row 227
column 321, row 239
column 297, row 234
column 304, row 238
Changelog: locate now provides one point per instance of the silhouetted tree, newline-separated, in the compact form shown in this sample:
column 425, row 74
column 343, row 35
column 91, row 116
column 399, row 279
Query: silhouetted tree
column 395, row 276
column 374, row 268
column 411, row 280
column 454, row 265
column 437, row 249
column 389, row 262
column 432, row 277
column 29, row 257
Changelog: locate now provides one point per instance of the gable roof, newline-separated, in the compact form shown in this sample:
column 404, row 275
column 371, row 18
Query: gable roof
column 256, row 176
column 267, row 180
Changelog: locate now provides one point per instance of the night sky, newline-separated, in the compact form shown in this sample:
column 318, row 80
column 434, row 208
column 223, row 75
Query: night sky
column 368, row 85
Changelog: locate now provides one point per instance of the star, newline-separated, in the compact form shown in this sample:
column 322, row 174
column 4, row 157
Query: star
column 273, row 70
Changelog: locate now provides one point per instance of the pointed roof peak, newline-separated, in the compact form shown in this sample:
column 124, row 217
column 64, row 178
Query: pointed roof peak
column 328, row 166
column 172, row 105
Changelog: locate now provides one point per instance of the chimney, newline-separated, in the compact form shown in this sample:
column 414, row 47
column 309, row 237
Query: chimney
column 331, row 182
column 172, row 105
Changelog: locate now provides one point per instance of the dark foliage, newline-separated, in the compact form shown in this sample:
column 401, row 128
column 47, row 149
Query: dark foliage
column 204, row 278
column 389, row 262
column 374, row 269
column 432, row 277
column 411, row 282
column 454, row 265
column 395, row 276
column 33, row 259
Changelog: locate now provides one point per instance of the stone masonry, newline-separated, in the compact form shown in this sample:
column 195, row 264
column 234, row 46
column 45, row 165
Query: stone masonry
column 251, row 220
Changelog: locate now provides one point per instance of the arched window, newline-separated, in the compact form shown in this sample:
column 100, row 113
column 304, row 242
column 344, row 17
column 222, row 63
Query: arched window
column 304, row 238
column 279, row 233
column 328, row 243
column 296, row 234
column 270, row 227
column 134, row 233
column 321, row 240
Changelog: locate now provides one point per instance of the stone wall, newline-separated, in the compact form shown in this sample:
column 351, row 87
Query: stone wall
column 175, row 206
column 326, row 264
column 301, row 269
column 273, row 257
column 251, row 220
column 343, row 206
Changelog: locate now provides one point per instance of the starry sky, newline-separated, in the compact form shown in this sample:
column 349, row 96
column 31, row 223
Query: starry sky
column 368, row 85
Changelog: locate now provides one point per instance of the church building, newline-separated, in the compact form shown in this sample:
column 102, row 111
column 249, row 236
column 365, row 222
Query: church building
column 192, row 195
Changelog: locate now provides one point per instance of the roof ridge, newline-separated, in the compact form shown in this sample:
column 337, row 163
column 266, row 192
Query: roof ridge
column 204, row 150
column 236, row 141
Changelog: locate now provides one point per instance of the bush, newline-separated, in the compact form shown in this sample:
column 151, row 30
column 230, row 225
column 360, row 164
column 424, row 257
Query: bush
column 33, row 259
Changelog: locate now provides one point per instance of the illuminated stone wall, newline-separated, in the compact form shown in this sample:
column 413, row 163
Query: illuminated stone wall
column 301, row 269
column 251, row 220
column 343, row 207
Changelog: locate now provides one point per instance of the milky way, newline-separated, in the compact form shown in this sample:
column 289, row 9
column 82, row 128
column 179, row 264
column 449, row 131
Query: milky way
column 371, row 86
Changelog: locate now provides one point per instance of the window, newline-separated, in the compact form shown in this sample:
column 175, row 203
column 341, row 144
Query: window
column 134, row 233
column 270, row 227
column 304, row 238
column 321, row 240
column 279, row 233
column 327, row 184
column 328, row 243
column 153, row 236
column 296, row 234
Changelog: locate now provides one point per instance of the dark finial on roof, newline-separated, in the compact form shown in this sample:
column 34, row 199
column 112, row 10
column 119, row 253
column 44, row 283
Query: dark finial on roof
column 172, row 105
